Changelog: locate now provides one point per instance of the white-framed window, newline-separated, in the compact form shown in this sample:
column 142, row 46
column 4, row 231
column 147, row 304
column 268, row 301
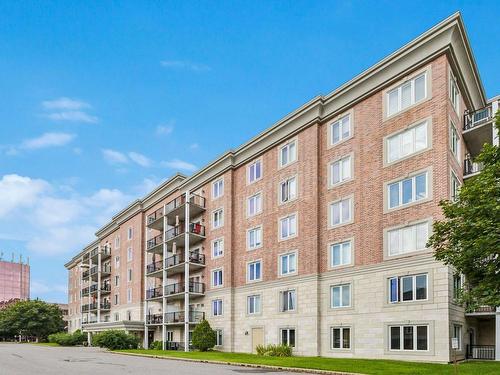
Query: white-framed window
column 255, row 171
column 217, row 307
column 288, row 153
column 219, row 337
column 130, row 233
column 341, row 337
column 218, row 248
column 454, row 141
column 254, row 238
column 129, row 295
column 408, row 190
column 253, row 304
column 454, row 186
column 408, row 288
column 340, row 129
column 218, row 218
column 170, row 336
column 129, row 254
column 129, row 275
column 454, row 94
column 218, row 188
column 288, row 300
column 341, row 296
column 288, row 190
column 117, row 242
column 129, row 315
column 341, row 254
column 217, row 279
column 408, row 239
column 117, row 280
column 254, row 204
column 288, row 226
column 458, row 284
column 407, row 142
column 340, row 170
column 409, row 337
column 287, row 336
column 407, row 94
column 116, row 298
column 117, row 317
column 288, row 264
column 340, row 212
column 254, row 271
column 457, row 334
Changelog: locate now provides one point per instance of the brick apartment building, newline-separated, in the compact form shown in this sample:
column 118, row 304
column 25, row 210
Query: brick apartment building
column 14, row 281
column 312, row 233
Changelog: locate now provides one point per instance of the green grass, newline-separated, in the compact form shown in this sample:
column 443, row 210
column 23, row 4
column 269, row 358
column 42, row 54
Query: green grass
column 45, row 343
column 364, row 366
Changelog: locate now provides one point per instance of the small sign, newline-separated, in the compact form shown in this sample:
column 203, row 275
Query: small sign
column 454, row 343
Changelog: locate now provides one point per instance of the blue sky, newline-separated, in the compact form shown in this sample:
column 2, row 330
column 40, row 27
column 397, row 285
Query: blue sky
column 101, row 101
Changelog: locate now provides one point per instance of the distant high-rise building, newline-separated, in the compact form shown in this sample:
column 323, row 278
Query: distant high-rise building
column 14, row 281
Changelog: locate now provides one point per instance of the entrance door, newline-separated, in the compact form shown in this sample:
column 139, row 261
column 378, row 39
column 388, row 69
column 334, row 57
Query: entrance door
column 257, row 337
column 151, row 337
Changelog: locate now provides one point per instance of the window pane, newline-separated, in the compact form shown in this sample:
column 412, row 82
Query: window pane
column 407, row 288
column 421, row 285
column 420, row 88
column 346, row 210
column 335, row 132
column 408, row 338
column 346, row 253
column 284, row 264
column 346, row 295
column 393, row 102
column 335, row 213
column 336, row 255
column 257, row 170
column 284, row 228
column 335, row 173
column 406, row 143
column 292, row 299
column 284, row 155
column 393, row 285
column 407, row 190
column 421, row 186
column 408, row 239
column 393, row 148
column 336, row 338
column 395, row 338
column 346, row 126
column 421, row 137
column 346, row 338
column 406, row 95
column 291, row 337
column 293, row 225
column 292, row 150
column 284, row 337
column 394, row 195
column 422, row 338
column 346, row 168
column 291, row 263
column 394, row 246
column 422, row 235
column 336, row 296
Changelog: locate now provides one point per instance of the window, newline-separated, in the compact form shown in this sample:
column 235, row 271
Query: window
column 340, row 212
column 254, row 271
column 288, row 153
column 340, row 254
column 129, row 254
column 117, row 261
column 408, row 190
column 288, row 264
column 129, row 295
column 117, row 242
column 217, row 307
column 287, row 300
column 458, row 284
column 408, row 239
column 454, row 94
column 341, row 337
column 117, row 317
column 340, row 171
column 254, row 237
column 288, row 336
column 288, row 227
column 218, row 337
column 408, row 288
column 341, row 296
column 217, row 277
column 408, row 337
column 340, row 129
column 254, row 204
column 218, row 248
column 218, row 218
column 406, row 94
column 454, row 187
column 254, row 171
column 407, row 142
column 130, row 233
column 218, row 189
column 129, row 315
column 454, row 141
column 288, row 190
column 116, row 299
column 457, row 334
column 129, row 275
column 253, row 304
column 117, row 280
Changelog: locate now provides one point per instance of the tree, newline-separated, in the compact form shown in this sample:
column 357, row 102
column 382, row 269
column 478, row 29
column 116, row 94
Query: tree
column 469, row 237
column 30, row 318
column 204, row 337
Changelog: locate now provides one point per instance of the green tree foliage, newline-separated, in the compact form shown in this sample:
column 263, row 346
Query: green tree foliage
column 272, row 350
column 204, row 337
column 30, row 318
column 115, row 340
column 68, row 339
column 469, row 236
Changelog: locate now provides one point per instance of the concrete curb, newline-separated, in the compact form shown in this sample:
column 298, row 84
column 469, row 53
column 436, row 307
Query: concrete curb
column 281, row 368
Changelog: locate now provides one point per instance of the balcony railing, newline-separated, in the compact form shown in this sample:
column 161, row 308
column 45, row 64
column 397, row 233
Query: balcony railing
column 93, row 270
column 106, row 269
column 195, row 228
column 155, row 266
column 89, row 321
column 155, row 216
column 180, row 288
column 93, row 288
column 155, row 241
column 481, row 352
column 85, row 274
column 176, row 259
column 178, row 316
column 154, row 292
column 105, row 306
column 471, row 167
column 85, row 291
column 106, row 288
column 154, row 319
column 175, row 345
column 94, row 252
column 89, row 307
column 179, row 201
column 479, row 117
column 106, row 251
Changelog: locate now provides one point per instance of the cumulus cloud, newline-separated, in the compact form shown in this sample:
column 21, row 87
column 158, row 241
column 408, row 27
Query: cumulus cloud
column 179, row 165
column 65, row 103
column 186, row 65
column 19, row 192
column 114, row 157
column 48, row 140
column 67, row 109
column 139, row 159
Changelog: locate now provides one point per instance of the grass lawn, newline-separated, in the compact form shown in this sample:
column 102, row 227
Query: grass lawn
column 45, row 343
column 364, row 366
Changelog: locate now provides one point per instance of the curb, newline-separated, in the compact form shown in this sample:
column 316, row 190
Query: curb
column 280, row 368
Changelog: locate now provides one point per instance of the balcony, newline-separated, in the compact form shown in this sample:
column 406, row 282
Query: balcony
column 471, row 168
column 94, row 253
column 478, row 129
column 480, row 352
column 90, row 321
column 154, row 319
column 105, row 288
column 85, row 274
column 176, row 291
column 177, row 317
column 175, row 210
column 175, row 263
column 482, row 311
column 89, row 307
column 154, row 293
column 177, row 234
column 93, row 288
column 155, row 244
column 155, row 220
column 105, row 306
column 105, row 252
column 85, row 291
column 155, row 268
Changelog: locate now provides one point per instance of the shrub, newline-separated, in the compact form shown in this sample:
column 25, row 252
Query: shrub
column 156, row 345
column 115, row 340
column 67, row 339
column 272, row 350
column 204, row 337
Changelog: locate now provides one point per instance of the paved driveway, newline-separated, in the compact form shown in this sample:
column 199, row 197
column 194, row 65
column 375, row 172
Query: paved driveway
column 26, row 359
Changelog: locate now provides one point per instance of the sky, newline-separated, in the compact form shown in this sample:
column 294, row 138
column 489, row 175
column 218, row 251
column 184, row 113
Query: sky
column 101, row 101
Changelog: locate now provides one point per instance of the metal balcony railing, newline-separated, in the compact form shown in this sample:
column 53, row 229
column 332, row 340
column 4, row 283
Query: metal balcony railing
column 471, row 167
column 155, row 266
column 481, row 352
column 106, row 251
column 176, row 345
column 154, row 319
column 85, row 274
column 93, row 270
column 93, row 288
column 479, row 117
column 106, row 288
column 155, row 241
column 85, row 291
column 105, row 306
column 94, row 252
column 154, row 292
column 178, row 316
column 195, row 228
column 176, row 288
column 154, row 216
column 176, row 259
column 179, row 201
column 106, row 268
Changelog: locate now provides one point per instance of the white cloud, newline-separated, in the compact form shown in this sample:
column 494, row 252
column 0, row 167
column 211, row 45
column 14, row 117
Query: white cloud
column 179, row 165
column 182, row 64
column 164, row 129
column 147, row 185
column 194, row 146
column 67, row 109
column 48, row 140
column 65, row 103
column 114, row 157
column 72, row 116
column 140, row 159
column 18, row 191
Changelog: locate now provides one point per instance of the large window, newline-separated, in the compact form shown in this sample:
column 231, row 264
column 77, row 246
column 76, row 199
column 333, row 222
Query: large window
column 288, row 336
column 217, row 188
column 288, row 227
column 409, row 337
column 219, row 336
column 218, row 218
column 408, row 190
column 253, row 304
column 217, row 307
column 254, row 171
column 340, row 170
column 254, row 238
column 341, row 337
column 218, row 248
column 340, row 254
column 217, row 279
column 288, row 264
column 341, row 296
column 288, row 153
column 254, row 271
column 288, row 190
column 454, row 94
column 407, row 142
column 458, row 284
column 130, row 233
column 408, row 288
column 288, row 300
column 340, row 212
column 406, row 94
column 254, row 204
column 454, row 141
column 340, row 129
column 408, row 239
column 457, row 334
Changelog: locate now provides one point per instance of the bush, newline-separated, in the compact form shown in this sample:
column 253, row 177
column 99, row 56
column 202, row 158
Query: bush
column 272, row 350
column 156, row 345
column 66, row 339
column 115, row 340
column 204, row 337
